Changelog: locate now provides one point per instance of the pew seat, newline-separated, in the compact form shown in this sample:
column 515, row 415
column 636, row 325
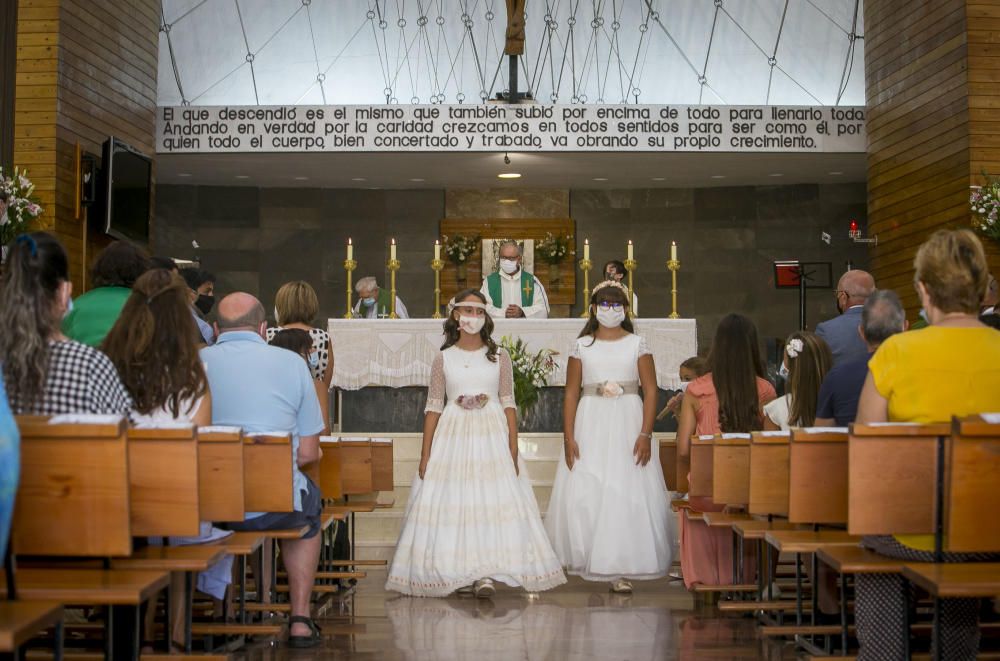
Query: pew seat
column 807, row 541
column 693, row 515
column 724, row 519
column 288, row 533
column 956, row 580
column 678, row 504
column 857, row 560
column 97, row 587
column 755, row 529
column 241, row 543
column 21, row 621
column 195, row 557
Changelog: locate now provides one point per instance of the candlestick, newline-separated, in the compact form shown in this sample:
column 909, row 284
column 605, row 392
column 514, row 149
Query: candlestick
column 437, row 265
column 393, row 266
column 349, row 266
column 674, row 267
column 673, row 251
column 585, row 266
column 586, row 249
column 350, row 249
column 630, row 265
column 437, row 250
column 631, row 256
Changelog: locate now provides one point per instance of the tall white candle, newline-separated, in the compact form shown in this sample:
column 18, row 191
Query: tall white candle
column 673, row 250
column 630, row 253
column 437, row 249
column 586, row 249
column 350, row 249
column 392, row 250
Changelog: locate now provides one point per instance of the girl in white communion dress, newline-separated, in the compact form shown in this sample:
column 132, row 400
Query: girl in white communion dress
column 609, row 518
column 472, row 517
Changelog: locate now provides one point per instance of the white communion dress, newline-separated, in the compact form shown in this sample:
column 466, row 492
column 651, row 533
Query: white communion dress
column 472, row 516
column 609, row 518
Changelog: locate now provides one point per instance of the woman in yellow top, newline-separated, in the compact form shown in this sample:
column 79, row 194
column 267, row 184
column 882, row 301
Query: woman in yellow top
column 951, row 367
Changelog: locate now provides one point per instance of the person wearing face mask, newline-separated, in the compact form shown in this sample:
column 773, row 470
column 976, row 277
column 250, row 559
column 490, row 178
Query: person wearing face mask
column 45, row 372
column 609, row 518
column 512, row 292
column 615, row 271
column 375, row 302
column 303, row 344
column 472, row 516
column 296, row 306
column 201, row 288
column 841, row 333
column 689, row 370
column 114, row 272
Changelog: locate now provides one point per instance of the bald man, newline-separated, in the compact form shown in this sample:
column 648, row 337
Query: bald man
column 841, row 333
column 267, row 389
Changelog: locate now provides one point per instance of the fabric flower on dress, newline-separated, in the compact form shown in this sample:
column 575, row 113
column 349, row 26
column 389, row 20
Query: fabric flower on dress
column 794, row 347
column 610, row 389
column 472, row 402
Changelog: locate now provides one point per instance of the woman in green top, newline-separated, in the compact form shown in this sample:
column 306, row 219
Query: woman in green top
column 112, row 276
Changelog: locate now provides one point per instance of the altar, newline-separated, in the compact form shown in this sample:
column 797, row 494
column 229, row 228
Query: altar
column 398, row 353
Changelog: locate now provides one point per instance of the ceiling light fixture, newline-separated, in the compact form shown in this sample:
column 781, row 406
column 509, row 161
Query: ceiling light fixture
column 659, row 178
column 776, row 174
column 508, row 200
column 358, row 179
column 242, row 176
column 718, row 176
column 600, row 178
column 509, row 175
column 835, row 173
column 301, row 178
column 417, row 179
column 183, row 174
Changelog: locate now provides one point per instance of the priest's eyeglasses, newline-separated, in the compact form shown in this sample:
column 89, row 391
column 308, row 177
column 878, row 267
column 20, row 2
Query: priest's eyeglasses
column 608, row 305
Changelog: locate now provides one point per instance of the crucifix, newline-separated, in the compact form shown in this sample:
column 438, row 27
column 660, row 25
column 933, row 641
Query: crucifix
column 515, row 44
column 527, row 288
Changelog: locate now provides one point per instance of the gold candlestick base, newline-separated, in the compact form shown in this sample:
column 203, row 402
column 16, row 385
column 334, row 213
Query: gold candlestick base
column 393, row 266
column 630, row 266
column 349, row 266
column 674, row 265
column 436, row 266
column 585, row 266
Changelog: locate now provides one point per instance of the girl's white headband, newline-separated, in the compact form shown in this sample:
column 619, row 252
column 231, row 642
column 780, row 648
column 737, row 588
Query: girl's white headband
column 470, row 304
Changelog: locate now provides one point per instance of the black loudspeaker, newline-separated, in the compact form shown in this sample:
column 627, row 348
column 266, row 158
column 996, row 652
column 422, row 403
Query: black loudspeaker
column 89, row 174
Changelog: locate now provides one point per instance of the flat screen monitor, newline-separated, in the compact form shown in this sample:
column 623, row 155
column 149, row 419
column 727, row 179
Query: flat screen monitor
column 128, row 180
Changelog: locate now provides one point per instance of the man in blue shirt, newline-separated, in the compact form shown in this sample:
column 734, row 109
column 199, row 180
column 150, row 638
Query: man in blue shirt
column 881, row 317
column 841, row 333
column 266, row 389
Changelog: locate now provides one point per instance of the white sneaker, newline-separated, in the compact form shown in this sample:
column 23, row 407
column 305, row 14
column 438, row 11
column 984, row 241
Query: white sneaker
column 468, row 589
column 484, row 588
column 621, row 586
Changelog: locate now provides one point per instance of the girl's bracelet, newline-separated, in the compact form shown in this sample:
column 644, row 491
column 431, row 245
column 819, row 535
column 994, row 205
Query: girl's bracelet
column 649, row 435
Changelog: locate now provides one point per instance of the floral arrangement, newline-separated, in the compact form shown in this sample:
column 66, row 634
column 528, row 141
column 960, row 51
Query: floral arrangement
column 459, row 248
column 21, row 207
column 472, row 402
column 984, row 202
column 531, row 370
column 553, row 249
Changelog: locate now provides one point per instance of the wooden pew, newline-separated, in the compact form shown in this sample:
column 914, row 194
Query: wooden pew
column 73, row 501
column 382, row 465
column 668, row 459
column 700, row 484
column 769, row 473
column 21, row 620
column 267, row 459
column 220, row 473
column 163, row 481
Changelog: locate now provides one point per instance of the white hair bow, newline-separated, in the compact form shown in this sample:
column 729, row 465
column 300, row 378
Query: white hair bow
column 794, row 347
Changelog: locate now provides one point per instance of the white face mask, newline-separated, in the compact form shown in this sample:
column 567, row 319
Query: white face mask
column 471, row 325
column 783, row 371
column 683, row 386
column 313, row 359
column 508, row 266
column 277, row 322
column 610, row 318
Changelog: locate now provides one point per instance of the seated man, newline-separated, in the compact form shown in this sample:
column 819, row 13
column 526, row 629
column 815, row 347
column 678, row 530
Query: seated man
column 841, row 333
column 512, row 292
column 374, row 302
column 882, row 317
column 267, row 389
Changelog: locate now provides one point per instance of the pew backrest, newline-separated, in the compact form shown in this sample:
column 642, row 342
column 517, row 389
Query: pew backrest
column 972, row 486
column 768, row 490
column 221, row 488
column 73, row 495
column 893, row 477
column 163, row 480
column 731, row 469
column 268, row 472
column 700, row 484
column 330, row 484
column 817, row 476
column 356, row 465
column 382, row 475
column 668, row 459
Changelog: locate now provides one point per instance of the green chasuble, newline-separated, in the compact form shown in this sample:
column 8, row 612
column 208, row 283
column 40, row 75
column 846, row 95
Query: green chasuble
column 383, row 304
column 495, row 288
column 94, row 313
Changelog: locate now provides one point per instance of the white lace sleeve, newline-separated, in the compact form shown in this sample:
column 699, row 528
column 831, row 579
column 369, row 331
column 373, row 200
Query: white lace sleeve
column 644, row 347
column 436, row 390
column 506, row 381
column 575, row 351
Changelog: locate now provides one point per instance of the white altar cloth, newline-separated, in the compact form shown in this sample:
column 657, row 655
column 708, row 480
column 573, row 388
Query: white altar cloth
column 398, row 352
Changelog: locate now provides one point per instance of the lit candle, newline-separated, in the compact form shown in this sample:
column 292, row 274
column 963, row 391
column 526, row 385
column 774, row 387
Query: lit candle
column 630, row 254
column 392, row 250
column 350, row 249
column 437, row 249
column 673, row 250
column 586, row 249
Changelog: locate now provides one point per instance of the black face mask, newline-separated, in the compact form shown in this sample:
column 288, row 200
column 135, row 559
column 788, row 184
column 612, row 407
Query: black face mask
column 205, row 303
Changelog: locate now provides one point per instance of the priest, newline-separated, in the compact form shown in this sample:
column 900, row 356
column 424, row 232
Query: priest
column 375, row 302
column 512, row 292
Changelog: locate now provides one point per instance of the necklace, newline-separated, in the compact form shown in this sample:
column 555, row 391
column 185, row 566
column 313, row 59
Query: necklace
column 467, row 356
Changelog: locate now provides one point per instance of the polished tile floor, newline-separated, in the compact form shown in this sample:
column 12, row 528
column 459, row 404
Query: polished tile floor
column 579, row 621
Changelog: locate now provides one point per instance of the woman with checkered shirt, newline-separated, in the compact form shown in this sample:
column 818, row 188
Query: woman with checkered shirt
column 46, row 372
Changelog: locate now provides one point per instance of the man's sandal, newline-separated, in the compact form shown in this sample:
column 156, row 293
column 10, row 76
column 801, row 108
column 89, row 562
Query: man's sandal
column 303, row 642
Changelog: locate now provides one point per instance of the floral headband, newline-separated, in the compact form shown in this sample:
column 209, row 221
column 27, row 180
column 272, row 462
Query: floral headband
column 794, row 347
column 609, row 283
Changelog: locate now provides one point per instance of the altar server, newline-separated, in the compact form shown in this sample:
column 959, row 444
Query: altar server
column 375, row 302
column 609, row 518
column 472, row 516
column 512, row 292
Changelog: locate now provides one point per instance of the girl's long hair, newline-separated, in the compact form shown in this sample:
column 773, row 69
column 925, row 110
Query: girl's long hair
column 452, row 332
column 805, row 375
column 605, row 294
column 735, row 364
column 154, row 345
column 35, row 268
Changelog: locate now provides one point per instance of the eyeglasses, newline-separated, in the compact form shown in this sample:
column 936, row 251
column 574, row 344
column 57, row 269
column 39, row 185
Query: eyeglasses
column 607, row 305
column 838, row 292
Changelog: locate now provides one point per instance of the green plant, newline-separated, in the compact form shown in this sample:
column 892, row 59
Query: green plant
column 531, row 371
column 16, row 199
column 553, row 249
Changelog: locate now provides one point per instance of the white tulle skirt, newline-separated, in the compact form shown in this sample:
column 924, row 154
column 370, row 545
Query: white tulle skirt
column 472, row 516
column 609, row 518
